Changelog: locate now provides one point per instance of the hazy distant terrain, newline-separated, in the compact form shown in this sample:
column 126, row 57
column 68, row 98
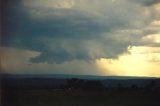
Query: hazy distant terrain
column 46, row 81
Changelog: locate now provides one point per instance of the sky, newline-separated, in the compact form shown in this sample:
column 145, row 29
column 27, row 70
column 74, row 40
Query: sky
column 86, row 37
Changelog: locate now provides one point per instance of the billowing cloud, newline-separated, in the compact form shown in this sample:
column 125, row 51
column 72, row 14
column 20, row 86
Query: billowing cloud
column 48, row 4
column 81, row 32
column 87, row 30
column 147, row 2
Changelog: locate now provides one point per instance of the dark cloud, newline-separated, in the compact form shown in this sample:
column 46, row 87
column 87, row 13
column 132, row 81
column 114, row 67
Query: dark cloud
column 151, row 2
column 70, row 35
column 148, row 2
column 58, row 57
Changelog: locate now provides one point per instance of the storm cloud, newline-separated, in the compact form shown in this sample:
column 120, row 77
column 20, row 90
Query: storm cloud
column 148, row 2
column 66, row 30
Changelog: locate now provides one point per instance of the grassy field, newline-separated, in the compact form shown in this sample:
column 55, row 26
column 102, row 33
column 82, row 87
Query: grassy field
column 79, row 98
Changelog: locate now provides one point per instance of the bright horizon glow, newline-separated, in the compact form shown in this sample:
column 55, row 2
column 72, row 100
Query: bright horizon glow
column 140, row 62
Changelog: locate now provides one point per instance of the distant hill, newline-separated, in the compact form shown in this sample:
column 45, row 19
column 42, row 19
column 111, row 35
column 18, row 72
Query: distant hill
column 66, row 76
column 56, row 80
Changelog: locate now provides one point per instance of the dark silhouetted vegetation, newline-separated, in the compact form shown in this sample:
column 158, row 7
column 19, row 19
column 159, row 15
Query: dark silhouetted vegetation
column 79, row 92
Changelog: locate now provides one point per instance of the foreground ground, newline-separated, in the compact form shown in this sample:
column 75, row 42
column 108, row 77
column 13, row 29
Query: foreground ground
column 80, row 98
